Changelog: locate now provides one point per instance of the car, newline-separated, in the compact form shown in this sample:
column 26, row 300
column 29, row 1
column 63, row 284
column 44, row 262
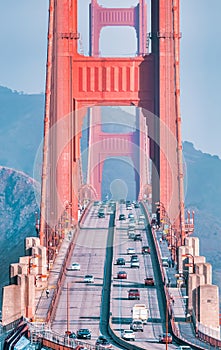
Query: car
column 128, row 334
column 130, row 251
column 129, row 207
column 89, row 278
column 138, row 237
column 165, row 338
column 184, row 347
column 131, row 221
column 131, row 225
column 122, row 217
column 102, row 343
column 134, row 257
column 149, row 281
column 122, row 275
column 83, row 333
column 131, row 234
column 140, row 222
column 120, row 261
column 136, row 325
column 130, row 216
column 165, row 261
column 76, row 266
column 135, row 264
column 133, row 294
column 141, row 217
column 136, row 205
column 101, row 214
column 145, row 250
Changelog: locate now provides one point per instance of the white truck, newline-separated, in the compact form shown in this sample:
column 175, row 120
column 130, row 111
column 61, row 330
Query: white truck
column 140, row 312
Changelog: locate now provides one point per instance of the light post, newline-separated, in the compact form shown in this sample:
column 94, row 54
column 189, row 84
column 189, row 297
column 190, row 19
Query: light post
column 68, row 331
column 68, row 311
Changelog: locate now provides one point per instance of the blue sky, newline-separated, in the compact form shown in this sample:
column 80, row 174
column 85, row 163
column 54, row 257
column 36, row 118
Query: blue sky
column 23, row 34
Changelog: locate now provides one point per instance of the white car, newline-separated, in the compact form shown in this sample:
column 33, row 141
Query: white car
column 184, row 347
column 76, row 267
column 131, row 251
column 128, row 334
column 135, row 264
column 89, row 278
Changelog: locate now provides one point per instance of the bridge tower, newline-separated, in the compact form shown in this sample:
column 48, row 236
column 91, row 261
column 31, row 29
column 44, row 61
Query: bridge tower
column 103, row 145
column 149, row 81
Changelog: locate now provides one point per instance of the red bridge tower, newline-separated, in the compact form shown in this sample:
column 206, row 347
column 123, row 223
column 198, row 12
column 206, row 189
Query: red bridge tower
column 75, row 82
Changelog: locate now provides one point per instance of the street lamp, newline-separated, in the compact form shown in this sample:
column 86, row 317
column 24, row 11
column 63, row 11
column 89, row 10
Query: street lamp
column 68, row 332
column 68, row 311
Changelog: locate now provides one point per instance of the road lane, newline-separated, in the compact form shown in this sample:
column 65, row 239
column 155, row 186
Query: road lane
column 121, row 306
column 82, row 301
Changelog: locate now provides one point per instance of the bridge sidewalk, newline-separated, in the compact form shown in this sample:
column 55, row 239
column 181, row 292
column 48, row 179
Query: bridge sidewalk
column 42, row 301
column 178, row 298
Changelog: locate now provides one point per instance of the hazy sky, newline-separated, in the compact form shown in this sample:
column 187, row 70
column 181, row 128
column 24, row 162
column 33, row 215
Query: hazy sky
column 23, row 35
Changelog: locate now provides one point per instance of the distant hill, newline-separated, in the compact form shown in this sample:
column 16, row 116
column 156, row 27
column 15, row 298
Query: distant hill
column 203, row 194
column 17, row 217
column 21, row 132
column 21, row 129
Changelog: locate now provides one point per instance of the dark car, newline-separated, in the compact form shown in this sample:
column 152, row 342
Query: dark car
column 138, row 237
column 133, row 293
column 120, row 261
column 166, row 338
column 122, row 217
column 83, row 333
column 149, row 281
column 101, row 214
column 122, row 275
column 102, row 343
column 145, row 250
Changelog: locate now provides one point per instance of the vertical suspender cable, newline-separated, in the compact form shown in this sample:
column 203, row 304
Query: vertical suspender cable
column 46, row 123
column 176, row 33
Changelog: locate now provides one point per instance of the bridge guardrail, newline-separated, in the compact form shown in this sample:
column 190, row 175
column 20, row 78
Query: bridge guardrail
column 171, row 318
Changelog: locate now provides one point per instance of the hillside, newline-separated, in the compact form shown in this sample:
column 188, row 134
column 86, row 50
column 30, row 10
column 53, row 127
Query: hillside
column 203, row 193
column 21, row 129
column 17, row 217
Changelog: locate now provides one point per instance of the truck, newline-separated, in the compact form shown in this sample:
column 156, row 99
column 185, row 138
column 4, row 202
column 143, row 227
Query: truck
column 140, row 312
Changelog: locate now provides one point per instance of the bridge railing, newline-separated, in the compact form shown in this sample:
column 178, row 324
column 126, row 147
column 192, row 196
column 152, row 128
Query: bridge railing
column 167, row 298
column 41, row 334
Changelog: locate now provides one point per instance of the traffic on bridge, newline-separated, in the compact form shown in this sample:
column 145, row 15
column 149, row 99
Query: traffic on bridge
column 114, row 264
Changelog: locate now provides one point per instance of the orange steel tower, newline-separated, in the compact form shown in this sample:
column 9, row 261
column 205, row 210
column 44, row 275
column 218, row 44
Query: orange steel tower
column 149, row 81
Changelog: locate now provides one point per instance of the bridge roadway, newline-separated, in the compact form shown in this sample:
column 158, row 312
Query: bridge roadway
column 79, row 303
column 86, row 305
